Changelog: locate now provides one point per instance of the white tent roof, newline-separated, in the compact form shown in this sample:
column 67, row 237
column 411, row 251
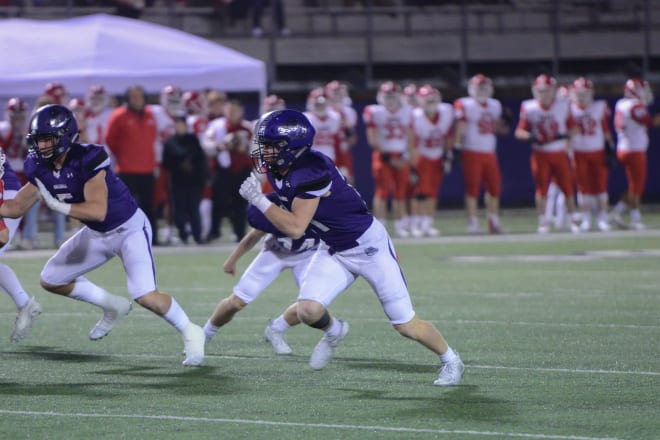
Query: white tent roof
column 117, row 52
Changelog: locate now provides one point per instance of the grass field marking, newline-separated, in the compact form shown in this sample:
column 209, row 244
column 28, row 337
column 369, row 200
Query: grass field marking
column 339, row 360
column 305, row 425
column 143, row 314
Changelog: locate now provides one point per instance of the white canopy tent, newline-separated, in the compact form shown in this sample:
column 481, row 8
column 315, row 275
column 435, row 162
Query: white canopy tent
column 117, row 52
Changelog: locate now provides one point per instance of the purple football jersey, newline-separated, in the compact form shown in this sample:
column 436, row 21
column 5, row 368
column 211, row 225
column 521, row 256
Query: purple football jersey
column 83, row 161
column 10, row 179
column 342, row 216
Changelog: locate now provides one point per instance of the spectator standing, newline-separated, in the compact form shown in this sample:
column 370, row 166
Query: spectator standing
column 186, row 163
column 279, row 19
column 131, row 135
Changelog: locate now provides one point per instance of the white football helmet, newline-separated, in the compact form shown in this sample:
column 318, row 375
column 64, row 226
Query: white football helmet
column 171, row 98
column 194, row 103
column 57, row 92
column 480, row 88
column 544, row 89
column 639, row 89
column 317, row 102
column 96, row 98
column 272, row 103
column 582, row 92
column 389, row 96
column 429, row 98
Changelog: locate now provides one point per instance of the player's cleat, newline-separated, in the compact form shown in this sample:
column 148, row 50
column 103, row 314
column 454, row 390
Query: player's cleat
column 111, row 317
column 585, row 225
column 24, row 320
column 450, row 373
column 194, row 339
column 637, row 226
column 401, row 233
column 326, row 348
column 544, row 228
column 416, row 232
column 603, row 225
column 473, row 229
column 616, row 219
column 277, row 340
column 494, row 228
column 431, row 232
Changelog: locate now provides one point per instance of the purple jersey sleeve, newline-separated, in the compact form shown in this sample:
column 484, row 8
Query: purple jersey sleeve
column 82, row 163
column 10, row 179
column 342, row 216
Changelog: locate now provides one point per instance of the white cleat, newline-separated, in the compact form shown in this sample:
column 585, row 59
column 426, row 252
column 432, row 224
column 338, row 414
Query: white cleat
column 431, row 232
column 450, row 373
column 277, row 340
column 111, row 317
column 585, row 226
column 416, row 233
column 24, row 320
column 603, row 226
column 473, row 230
column 324, row 350
column 543, row 229
column 194, row 340
column 401, row 233
column 637, row 226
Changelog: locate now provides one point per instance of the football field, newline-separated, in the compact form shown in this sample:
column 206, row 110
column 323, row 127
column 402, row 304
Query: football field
column 560, row 336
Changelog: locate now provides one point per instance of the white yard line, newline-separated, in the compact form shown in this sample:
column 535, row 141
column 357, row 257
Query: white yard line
column 336, row 360
column 143, row 314
column 302, row 425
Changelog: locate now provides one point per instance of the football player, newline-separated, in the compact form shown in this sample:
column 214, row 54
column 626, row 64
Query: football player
column 327, row 124
column 278, row 253
column 431, row 134
column 76, row 180
column 317, row 199
column 632, row 122
column 546, row 122
column 388, row 131
column 28, row 307
column 592, row 144
column 479, row 119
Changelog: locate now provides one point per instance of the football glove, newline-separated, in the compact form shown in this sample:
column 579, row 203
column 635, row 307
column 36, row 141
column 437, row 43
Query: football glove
column 251, row 191
column 52, row 202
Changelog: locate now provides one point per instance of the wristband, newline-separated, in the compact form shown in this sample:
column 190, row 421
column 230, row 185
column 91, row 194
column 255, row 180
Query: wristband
column 262, row 203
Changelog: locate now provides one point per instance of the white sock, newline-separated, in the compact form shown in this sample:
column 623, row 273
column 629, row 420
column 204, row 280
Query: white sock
column 474, row 222
column 209, row 329
column 494, row 218
column 176, row 317
column 621, row 207
column 86, row 291
column 10, row 284
column 334, row 330
column 280, row 325
column 448, row 355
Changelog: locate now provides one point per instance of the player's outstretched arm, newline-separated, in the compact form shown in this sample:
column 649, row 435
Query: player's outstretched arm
column 247, row 242
column 19, row 205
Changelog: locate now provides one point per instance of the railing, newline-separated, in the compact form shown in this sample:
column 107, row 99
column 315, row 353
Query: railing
column 467, row 19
